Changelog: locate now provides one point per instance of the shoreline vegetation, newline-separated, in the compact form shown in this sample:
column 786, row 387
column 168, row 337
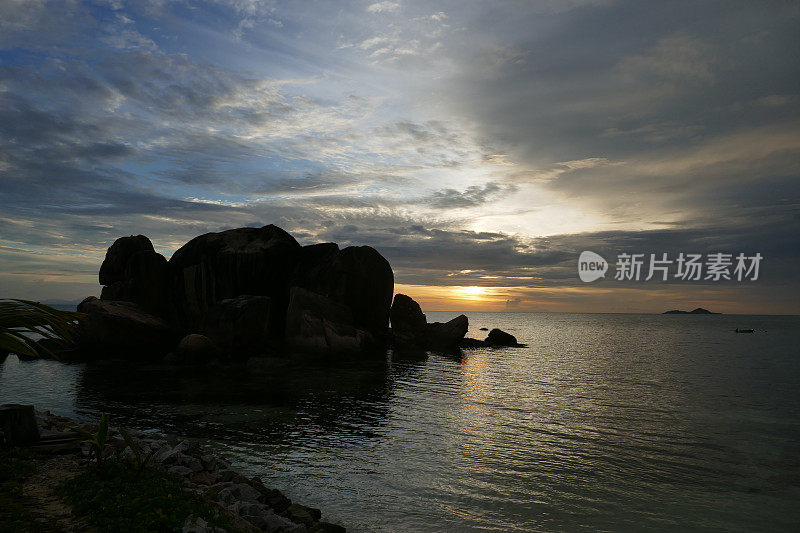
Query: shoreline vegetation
column 140, row 483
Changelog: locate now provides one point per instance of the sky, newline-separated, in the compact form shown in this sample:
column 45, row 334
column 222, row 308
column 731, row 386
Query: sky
column 479, row 146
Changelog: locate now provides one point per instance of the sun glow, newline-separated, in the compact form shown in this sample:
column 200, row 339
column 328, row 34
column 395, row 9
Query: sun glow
column 475, row 293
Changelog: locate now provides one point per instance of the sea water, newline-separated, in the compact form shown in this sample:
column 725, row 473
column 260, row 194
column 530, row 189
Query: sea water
column 603, row 422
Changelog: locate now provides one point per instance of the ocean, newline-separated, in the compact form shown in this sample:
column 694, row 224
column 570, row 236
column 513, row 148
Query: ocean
column 603, row 422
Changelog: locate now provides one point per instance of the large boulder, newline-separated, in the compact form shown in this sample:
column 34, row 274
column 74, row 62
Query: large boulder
column 358, row 277
column 318, row 325
column 409, row 325
column 195, row 348
column 224, row 265
column 134, row 272
column 118, row 254
column 498, row 337
column 448, row 335
column 240, row 326
column 122, row 329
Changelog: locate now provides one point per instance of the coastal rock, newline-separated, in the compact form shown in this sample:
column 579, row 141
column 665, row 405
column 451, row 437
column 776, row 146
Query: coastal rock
column 133, row 272
column 409, row 325
column 195, row 348
column 302, row 514
column 240, row 326
column 411, row 332
column 498, row 337
column 180, row 470
column 122, row 328
column 327, row 527
column 315, row 324
column 358, row 277
column 313, row 263
column 118, row 254
column 267, row 520
column 247, row 502
column 239, row 492
column 234, row 287
column 468, row 342
column 224, row 265
column 18, row 425
column 447, row 335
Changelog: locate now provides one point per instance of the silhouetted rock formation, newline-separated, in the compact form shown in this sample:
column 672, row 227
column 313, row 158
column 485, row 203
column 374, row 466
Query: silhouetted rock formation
column 498, row 337
column 241, row 325
column 116, row 262
column 224, row 265
column 118, row 329
column 317, row 324
column 134, row 272
column 357, row 277
column 447, row 335
column 235, row 288
column 410, row 329
column 409, row 325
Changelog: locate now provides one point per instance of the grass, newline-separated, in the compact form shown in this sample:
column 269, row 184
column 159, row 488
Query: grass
column 120, row 497
column 15, row 512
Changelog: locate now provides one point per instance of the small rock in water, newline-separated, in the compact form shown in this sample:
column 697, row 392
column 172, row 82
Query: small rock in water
column 498, row 337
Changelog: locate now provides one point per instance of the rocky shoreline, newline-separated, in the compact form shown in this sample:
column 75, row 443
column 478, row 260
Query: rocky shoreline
column 252, row 506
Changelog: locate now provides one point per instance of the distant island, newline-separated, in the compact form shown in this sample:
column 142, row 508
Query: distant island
column 698, row 311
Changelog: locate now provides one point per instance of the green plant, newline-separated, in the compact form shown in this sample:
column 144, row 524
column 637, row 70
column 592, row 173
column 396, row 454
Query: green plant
column 115, row 497
column 21, row 318
column 96, row 441
column 16, row 464
column 140, row 461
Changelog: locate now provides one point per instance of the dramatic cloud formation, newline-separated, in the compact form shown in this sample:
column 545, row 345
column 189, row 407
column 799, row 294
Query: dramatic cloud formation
column 475, row 145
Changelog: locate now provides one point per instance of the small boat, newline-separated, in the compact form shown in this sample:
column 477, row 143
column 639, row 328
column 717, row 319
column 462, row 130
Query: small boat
column 739, row 330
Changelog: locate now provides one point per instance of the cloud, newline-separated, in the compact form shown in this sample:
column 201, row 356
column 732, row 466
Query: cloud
column 485, row 145
column 675, row 59
column 383, row 7
column 472, row 196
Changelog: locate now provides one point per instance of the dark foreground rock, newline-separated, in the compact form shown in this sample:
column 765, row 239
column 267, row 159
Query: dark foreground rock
column 122, row 329
column 316, row 324
column 18, row 425
column 240, row 325
column 197, row 349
